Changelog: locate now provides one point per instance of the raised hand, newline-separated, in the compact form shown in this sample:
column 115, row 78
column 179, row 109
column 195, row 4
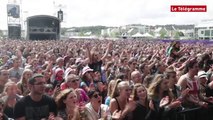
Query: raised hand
column 164, row 101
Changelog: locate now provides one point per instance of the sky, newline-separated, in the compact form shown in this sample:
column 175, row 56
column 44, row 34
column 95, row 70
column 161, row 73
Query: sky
column 110, row 12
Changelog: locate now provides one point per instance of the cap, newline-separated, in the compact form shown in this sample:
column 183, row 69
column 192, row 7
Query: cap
column 58, row 70
column 202, row 74
column 86, row 69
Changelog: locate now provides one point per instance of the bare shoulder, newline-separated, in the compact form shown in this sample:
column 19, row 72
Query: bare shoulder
column 182, row 80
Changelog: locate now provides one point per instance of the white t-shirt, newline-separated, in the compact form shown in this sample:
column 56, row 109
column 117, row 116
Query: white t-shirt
column 93, row 115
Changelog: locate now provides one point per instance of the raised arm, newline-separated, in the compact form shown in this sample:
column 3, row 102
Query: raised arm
column 109, row 47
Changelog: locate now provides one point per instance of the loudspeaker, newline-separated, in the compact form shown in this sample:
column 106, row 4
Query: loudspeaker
column 60, row 15
column 13, row 10
column 14, row 32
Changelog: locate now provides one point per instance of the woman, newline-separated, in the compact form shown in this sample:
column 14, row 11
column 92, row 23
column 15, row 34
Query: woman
column 109, row 92
column 174, row 52
column 2, row 114
column 72, row 81
column 10, row 98
column 120, row 96
column 95, row 60
column 67, row 105
column 139, row 108
column 87, row 79
column 22, row 84
column 162, row 97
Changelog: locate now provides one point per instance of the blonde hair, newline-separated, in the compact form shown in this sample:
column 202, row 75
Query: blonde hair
column 117, row 88
column 110, row 87
column 23, row 80
column 8, row 85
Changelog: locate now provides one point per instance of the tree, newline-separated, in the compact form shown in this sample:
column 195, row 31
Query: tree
column 177, row 35
column 163, row 33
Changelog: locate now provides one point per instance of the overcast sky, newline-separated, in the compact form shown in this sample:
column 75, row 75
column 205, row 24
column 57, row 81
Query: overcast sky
column 111, row 12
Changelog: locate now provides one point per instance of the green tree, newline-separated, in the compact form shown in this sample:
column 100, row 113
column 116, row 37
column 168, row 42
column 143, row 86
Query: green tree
column 177, row 35
column 163, row 33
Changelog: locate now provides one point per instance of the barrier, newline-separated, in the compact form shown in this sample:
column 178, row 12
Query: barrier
column 198, row 113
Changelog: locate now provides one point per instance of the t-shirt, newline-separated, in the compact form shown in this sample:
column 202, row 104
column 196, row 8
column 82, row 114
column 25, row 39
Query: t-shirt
column 96, row 66
column 93, row 115
column 16, row 73
column 32, row 110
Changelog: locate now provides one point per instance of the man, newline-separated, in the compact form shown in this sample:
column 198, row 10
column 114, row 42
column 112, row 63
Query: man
column 36, row 105
column 136, row 77
column 16, row 71
column 190, row 81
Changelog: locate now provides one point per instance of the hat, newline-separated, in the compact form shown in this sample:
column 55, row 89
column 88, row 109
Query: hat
column 86, row 69
column 58, row 70
column 202, row 74
column 67, row 72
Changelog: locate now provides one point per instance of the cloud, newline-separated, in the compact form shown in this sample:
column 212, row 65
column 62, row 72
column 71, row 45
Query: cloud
column 112, row 12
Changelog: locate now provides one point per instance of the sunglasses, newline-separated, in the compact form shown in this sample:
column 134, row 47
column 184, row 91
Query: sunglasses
column 96, row 95
column 74, row 80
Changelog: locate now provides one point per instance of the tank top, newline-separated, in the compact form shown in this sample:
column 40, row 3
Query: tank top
column 119, row 108
column 193, row 85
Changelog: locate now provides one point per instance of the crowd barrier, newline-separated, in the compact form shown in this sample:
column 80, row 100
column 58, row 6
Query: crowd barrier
column 198, row 113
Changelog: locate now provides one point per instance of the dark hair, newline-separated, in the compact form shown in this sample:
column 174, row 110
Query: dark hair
column 32, row 79
column 91, row 93
column 190, row 65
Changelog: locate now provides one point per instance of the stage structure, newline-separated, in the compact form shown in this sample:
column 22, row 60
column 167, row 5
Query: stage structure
column 43, row 27
column 13, row 21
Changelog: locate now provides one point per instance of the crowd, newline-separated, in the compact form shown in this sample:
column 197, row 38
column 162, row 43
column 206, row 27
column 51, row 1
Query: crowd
column 105, row 80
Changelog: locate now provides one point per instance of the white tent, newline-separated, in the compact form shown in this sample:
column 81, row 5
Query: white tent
column 147, row 35
column 137, row 35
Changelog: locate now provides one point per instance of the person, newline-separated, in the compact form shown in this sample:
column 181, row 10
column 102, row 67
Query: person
column 72, row 81
column 190, row 81
column 87, row 79
column 36, row 105
column 174, row 51
column 22, row 84
column 16, row 71
column 4, row 77
column 2, row 115
column 67, row 105
column 136, row 77
column 120, row 96
column 109, row 92
column 95, row 110
column 162, row 98
column 95, row 60
column 204, row 87
column 139, row 109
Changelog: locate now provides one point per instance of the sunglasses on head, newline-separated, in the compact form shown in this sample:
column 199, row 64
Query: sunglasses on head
column 96, row 95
